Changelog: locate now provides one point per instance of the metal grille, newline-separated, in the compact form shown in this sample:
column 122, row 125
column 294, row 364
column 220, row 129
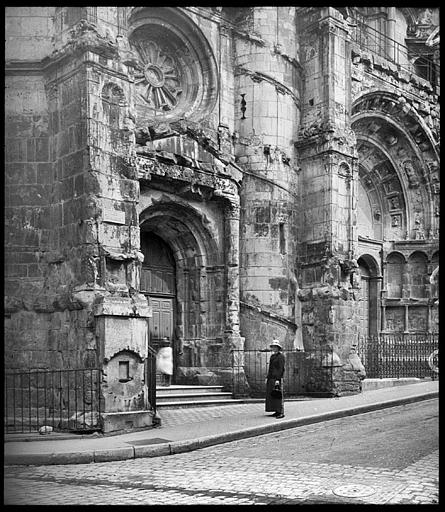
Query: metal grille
column 306, row 373
column 66, row 400
column 398, row 355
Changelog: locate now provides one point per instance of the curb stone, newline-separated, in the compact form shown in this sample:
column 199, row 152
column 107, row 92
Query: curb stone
column 175, row 447
column 114, row 454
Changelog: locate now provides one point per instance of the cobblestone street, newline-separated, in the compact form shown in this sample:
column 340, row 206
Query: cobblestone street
column 245, row 471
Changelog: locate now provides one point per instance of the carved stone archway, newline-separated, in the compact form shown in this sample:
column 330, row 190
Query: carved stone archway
column 398, row 165
column 202, row 302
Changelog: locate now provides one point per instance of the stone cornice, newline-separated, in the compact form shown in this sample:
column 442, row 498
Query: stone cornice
column 28, row 67
column 386, row 67
column 221, row 184
column 327, row 138
column 208, row 139
column 84, row 37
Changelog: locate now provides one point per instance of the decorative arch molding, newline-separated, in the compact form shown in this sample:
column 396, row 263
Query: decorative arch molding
column 385, row 190
column 410, row 14
column 403, row 113
column 395, row 148
column 124, row 352
column 396, row 255
column 372, row 265
column 184, row 228
column 176, row 73
column 201, row 289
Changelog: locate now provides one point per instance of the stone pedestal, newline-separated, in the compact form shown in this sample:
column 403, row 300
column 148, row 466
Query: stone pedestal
column 122, row 332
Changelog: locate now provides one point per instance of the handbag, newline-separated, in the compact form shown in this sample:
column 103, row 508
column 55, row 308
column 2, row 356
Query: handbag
column 276, row 392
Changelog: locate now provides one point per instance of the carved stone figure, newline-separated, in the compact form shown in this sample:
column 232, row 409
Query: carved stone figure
column 418, row 227
column 394, row 203
column 395, row 221
column 411, row 174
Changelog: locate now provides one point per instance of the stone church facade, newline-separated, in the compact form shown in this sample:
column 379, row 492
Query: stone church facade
column 215, row 178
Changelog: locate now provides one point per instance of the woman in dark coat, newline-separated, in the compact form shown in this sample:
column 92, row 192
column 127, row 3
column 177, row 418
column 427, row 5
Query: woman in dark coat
column 274, row 377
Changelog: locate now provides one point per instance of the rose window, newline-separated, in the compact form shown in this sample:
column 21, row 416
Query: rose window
column 175, row 75
column 157, row 79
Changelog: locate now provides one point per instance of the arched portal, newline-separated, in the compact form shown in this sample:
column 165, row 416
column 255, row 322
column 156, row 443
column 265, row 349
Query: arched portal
column 369, row 302
column 183, row 278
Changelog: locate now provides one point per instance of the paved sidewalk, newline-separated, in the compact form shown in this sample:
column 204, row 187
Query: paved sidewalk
column 184, row 430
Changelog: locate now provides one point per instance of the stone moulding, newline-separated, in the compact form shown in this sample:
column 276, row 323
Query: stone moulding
column 147, row 167
column 324, row 292
column 136, row 307
column 83, row 37
column 385, row 67
column 269, row 314
column 204, row 138
column 401, row 109
column 252, row 38
column 257, row 76
column 140, row 357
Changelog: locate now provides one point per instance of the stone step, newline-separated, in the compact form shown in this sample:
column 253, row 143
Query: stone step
column 175, row 389
column 197, row 403
column 189, row 397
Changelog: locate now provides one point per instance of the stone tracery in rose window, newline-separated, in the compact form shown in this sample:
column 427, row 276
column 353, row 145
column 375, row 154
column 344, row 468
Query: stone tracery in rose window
column 157, row 79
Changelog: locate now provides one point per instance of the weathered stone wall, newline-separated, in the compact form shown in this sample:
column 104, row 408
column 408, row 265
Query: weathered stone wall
column 28, row 33
column 45, row 200
column 267, row 81
column 250, row 174
column 88, row 237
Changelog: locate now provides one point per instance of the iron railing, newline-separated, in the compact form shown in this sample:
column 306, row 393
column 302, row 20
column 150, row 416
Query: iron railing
column 66, row 400
column 308, row 372
column 398, row 355
column 151, row 377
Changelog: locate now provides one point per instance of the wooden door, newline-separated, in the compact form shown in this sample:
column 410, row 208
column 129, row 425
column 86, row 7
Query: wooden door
column 161, row 323
column 161, row 326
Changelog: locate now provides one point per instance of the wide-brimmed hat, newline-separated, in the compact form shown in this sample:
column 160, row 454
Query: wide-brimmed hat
column 276, row 343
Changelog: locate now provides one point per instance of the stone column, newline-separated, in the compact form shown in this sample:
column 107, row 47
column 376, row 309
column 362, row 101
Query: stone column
column 406, row 318
column 327, row 153
column 267, row 77
column 383, row 324
column 391, row 33
column 231, row 222
column 233, row 342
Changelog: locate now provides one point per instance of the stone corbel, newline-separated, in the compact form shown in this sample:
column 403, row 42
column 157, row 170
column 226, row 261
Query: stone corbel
column 348, row 266
column 123, row 256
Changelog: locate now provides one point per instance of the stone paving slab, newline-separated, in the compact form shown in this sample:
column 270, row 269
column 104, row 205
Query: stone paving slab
column 202, row 427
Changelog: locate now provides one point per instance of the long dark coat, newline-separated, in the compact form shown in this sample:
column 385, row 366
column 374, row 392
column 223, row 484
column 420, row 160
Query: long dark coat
column 276, row 372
